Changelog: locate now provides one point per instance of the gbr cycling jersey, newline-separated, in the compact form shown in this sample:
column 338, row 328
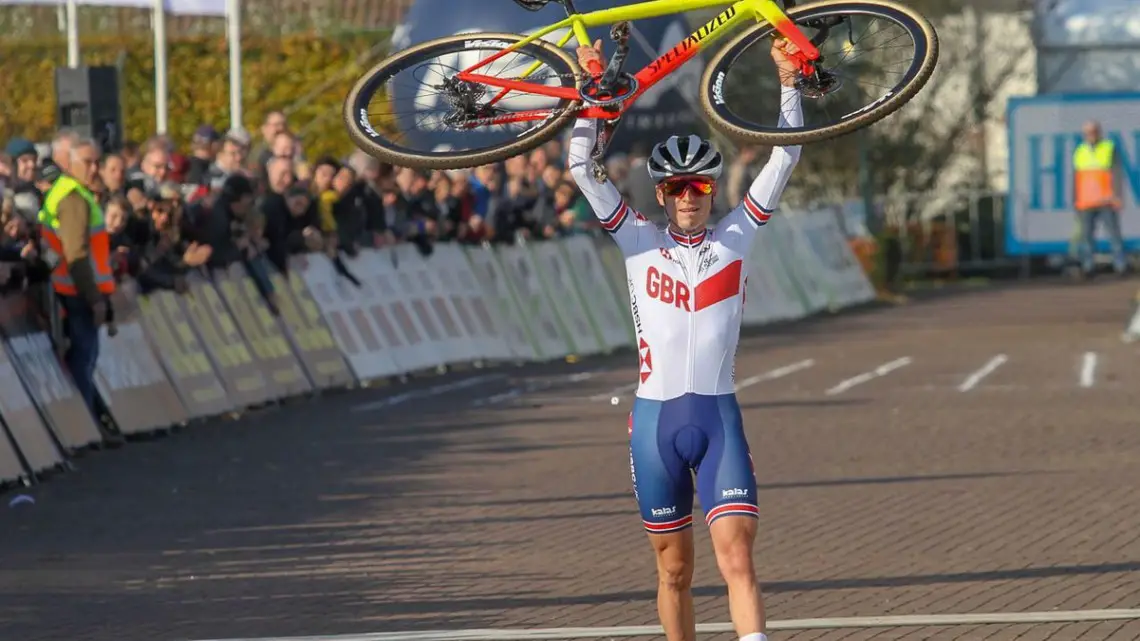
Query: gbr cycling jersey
column 686, row 290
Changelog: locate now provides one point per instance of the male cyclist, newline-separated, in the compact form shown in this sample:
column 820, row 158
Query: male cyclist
column 686, row 287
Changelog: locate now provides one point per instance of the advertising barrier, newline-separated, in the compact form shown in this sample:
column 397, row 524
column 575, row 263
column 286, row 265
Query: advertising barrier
column 129, row 376
column 222, row 347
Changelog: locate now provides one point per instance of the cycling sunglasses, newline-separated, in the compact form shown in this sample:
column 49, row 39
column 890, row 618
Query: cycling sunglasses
column 677, row 186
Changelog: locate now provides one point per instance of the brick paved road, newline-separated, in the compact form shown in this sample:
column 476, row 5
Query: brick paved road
column 901, row 495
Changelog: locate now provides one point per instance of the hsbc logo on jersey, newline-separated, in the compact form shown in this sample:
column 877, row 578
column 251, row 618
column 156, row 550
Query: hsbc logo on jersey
column 666, row 289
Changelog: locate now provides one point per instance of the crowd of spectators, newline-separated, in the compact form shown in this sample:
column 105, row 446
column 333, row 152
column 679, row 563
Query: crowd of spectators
column 230, row 198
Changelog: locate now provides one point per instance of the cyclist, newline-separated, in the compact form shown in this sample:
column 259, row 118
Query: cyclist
column 686, row 286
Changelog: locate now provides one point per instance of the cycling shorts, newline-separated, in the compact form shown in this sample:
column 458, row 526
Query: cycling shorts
column 670, row 441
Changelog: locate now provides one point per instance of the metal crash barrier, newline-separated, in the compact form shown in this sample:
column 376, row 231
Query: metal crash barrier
column 222, row 347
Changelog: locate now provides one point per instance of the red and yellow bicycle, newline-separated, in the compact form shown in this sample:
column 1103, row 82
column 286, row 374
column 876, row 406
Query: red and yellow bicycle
column 496, row 95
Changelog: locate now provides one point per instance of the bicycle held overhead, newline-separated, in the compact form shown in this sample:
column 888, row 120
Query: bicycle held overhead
column 498, row 95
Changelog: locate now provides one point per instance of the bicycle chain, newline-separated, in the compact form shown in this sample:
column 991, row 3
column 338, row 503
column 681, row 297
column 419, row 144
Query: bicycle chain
column 478, row 122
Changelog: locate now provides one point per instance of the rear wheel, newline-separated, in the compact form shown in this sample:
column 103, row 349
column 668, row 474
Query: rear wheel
column 885, row 52
column 410, row 109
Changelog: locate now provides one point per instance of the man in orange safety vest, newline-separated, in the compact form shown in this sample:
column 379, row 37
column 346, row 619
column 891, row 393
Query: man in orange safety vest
column 75, row 244
column 1097, row 196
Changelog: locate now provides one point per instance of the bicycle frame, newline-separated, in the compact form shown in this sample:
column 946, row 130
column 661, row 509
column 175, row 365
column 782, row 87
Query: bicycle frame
column 576, row 26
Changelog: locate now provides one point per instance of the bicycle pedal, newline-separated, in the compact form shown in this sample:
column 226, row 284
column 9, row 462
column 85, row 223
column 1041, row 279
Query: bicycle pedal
column 599, row 171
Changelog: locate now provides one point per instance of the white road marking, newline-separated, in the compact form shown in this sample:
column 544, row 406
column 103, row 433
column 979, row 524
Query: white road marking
column 1088, row 370
column 973, row 379
column 617, row 391
column 772, row 375
column 911, row 620
column 427, row 393
column 882, row 370
column 533, row 386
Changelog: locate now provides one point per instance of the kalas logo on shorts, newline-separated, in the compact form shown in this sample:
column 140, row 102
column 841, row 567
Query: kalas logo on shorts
column 664, row 511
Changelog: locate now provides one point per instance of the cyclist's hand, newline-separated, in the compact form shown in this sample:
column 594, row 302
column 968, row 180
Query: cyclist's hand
column 786, row 66
column 588, row 54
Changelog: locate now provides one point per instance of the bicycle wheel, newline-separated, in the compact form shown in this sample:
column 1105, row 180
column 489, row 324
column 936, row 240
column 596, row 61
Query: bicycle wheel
column 410, row 109
column 740, row 89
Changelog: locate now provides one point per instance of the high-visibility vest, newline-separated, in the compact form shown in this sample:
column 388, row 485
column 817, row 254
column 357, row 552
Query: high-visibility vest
column 1092, row 166
column 99, row 245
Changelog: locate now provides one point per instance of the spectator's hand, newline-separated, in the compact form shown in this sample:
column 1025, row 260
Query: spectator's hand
column 29, row 251
column 390, row 198
column 548, row 231
column 475, row 222
column 196, row 255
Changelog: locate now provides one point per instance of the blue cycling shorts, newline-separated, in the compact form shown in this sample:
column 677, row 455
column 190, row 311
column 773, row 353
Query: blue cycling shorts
column 671, row 441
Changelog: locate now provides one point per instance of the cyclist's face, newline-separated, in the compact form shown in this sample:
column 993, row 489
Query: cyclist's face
column 690, row 210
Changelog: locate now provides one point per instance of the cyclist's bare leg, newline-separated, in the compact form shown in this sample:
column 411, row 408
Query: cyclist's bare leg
column 674, row 584
column 732, row 538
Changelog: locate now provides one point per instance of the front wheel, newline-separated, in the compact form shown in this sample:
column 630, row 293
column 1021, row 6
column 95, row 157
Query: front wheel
column 884, row 51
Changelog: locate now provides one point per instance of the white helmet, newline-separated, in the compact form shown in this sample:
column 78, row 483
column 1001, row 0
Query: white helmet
column 684, row 156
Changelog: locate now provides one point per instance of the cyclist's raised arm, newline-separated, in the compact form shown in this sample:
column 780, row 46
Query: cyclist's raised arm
column 764, row 193
column 632, row 232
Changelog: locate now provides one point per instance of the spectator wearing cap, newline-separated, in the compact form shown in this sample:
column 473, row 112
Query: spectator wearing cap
column 27, row 198
column 72, row 228
column 204, row 147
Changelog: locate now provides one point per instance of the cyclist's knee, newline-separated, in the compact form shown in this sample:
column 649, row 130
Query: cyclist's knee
column 675, row 574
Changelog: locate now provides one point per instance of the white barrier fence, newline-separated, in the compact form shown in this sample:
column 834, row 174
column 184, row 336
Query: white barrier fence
column 219, row 349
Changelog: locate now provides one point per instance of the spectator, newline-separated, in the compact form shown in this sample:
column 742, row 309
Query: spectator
column 130, row 153
column 17, row 250
column 229, row 160
column 275, row 123
column 275, row 210
column 167, row 256
column 204, row 148
column 323, row 172
column 304, row 231
column 112, row 175
column 27, row 198
column 153, row 169
column 82, row 278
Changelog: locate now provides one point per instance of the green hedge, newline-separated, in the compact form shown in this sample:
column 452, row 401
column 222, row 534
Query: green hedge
column 276, row 72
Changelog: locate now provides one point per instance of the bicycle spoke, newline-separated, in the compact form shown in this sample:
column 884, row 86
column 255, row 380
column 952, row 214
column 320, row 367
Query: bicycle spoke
column 874, row 61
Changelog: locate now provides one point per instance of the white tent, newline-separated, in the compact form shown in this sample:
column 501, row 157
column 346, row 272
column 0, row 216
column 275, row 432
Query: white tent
column 230, row 9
